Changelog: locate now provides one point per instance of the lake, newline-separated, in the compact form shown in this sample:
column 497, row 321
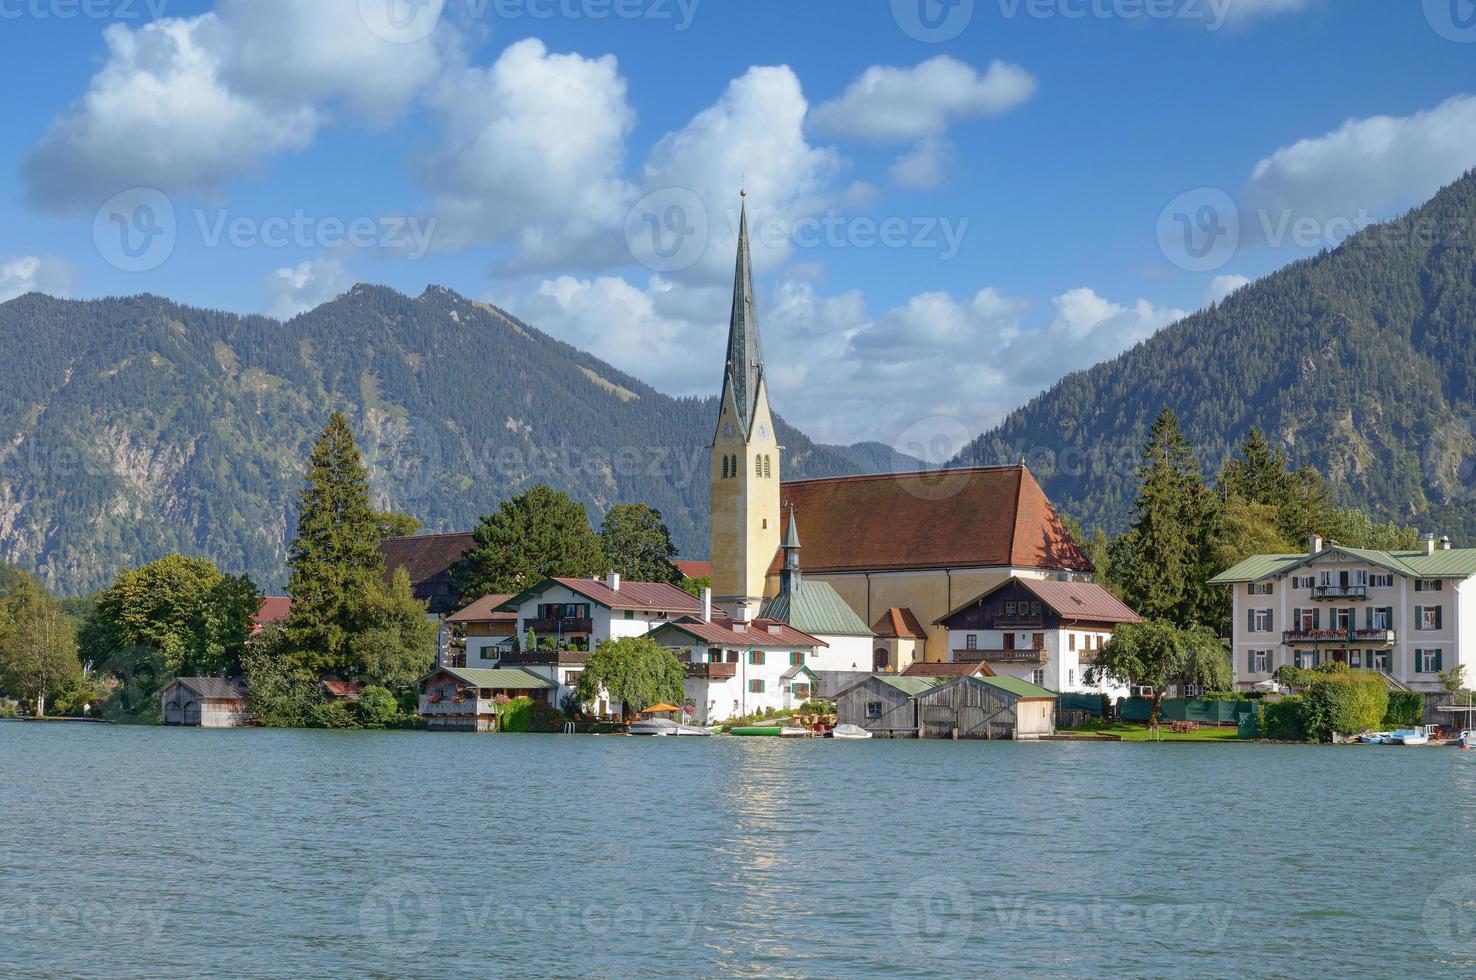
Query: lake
column 138, row 852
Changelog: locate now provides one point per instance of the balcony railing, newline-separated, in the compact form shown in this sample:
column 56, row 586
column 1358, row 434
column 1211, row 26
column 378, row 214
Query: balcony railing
column 1377, row 637
column 1340, row 592
column 712, row 672
column 1005, row 622
column 564, row 627
column 545, row 658
column 999, row 656
column 450, row 706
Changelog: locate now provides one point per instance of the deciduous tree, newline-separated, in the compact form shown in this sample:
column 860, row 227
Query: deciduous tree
column 638, row 545
column 1156, row 654
column 38, row 646
column 539, row 534
column 636, row 671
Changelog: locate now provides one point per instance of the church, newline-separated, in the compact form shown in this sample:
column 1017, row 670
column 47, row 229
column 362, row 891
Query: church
column 885, row 557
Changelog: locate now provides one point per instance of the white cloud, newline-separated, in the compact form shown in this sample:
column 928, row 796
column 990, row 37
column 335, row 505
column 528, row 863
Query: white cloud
column 295, row 290
column 187, row 104
column 1240, row 11
column 925, row 166
column 756, row 129
column 29, row 274
column 898, row 105
column 1222, row 286
column 532, row 150
column 1368, row 167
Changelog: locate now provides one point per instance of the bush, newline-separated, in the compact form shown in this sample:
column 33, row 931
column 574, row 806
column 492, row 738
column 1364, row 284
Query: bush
column 1406, row 709
column 8, row 708
column 377, row 708
column 1281, row 721
column 333, row 714
column 517, row 714
column 546, row 718
column 1344, row 702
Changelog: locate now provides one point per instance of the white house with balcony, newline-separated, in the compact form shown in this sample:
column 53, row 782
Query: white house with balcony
column 1407, row 614
column 1039, row 630
column 737, row 668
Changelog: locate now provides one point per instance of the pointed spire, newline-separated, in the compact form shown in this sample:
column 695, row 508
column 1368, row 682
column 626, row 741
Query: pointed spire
column 745, row 354
column 791, row 537
column 789, row 573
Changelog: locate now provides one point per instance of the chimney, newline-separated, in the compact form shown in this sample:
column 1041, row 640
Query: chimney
column 1430, row 543
column 1445, row 543
column 613, row 581
column 1314, row 545
column 707, row 605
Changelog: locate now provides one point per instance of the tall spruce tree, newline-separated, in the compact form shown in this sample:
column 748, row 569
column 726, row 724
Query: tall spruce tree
column 539, row 534
column 1161, row 562
column 638, row 545
column 335, row 557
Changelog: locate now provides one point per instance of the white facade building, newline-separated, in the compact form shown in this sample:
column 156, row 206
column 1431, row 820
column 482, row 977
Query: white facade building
column 1407, row 614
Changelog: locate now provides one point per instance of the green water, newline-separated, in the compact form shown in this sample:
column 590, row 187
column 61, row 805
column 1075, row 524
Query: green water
column 149, row 852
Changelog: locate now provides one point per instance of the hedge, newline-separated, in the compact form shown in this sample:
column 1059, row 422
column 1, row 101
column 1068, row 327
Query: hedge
column 1406, row 709
column 516, row 715
column 1338, row 703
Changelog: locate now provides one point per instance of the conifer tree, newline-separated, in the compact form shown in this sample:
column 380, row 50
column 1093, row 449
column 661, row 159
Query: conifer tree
column 638, row 545
column 335, row 557
column 539, row 534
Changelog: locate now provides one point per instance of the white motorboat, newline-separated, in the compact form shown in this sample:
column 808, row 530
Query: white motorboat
column 1409, row 736
column 1375, row 738
column 664, row 726
column 849, row 731
column 1468, row 739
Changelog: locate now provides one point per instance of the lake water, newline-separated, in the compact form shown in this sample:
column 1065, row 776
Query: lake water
column 141, row 852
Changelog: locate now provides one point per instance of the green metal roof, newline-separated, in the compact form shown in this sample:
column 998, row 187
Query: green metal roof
column 910, row 686
column 506, row 678
column 1456, row 563
column 1014, row 685
column 817, row 609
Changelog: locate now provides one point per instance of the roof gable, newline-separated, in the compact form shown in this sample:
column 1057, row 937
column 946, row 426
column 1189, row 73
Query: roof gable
column 638, row 596
column 1072, row 601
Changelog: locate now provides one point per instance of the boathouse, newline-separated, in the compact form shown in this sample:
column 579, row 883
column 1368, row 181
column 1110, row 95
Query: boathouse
column 203, row 702
column 883, row 704
column 985, row 708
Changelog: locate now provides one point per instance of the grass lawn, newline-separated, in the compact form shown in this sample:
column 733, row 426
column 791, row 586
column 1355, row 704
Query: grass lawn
column 1134, row 732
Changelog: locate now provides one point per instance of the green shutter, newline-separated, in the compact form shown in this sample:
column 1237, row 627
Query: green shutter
column 1317, row 619
column 1250, row 620
column 1439, row 657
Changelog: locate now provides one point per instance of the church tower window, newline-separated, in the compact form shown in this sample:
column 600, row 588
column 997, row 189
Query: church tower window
column 766, row 467
column 725, row 467
column 758, row 466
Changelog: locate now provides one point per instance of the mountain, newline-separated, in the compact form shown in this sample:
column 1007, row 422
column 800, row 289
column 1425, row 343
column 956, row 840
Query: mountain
column 1360, row 361
column 133, row 427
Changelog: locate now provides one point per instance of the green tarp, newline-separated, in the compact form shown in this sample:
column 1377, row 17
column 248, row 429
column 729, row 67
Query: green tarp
column 1239, row 713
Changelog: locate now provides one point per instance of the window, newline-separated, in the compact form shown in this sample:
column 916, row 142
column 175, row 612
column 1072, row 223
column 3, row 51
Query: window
column 1071, row 641
column 1355, row 659
column 1193, row 690
column 571, row 678
column 971, row 642
column 1428, row 585
column 766, row 468
column 758, row 466
column 801, row 690
column 733, row 460
column 1260, row 588
column 1037, row 677
column 725, row 467
column 1379, row 660
column 1342, row 619
column 630, row 614
column 1011, row 608
column 1071, row 678
column 1260, row 620
column 1427, row 661
column 1260, row 661
column 1035, row 609
column 1380, row 618
column 714, row 656
column 1427, row 618
column 1381, row 580
column 1303, row 581
column 1305, row 659
column 1306, row 619
column 873, row 709
column 796, row 659
column 756, row 686
column 756, row 658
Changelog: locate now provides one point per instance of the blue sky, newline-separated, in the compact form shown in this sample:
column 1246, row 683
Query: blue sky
column 1034, row 163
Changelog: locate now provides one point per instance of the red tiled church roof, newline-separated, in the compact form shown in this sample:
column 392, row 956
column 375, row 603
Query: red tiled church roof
column 983, row 517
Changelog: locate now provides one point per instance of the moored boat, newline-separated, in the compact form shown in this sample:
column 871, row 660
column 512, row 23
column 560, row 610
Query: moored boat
column 1375, row 738
column 1409, row 736
column 849, row 731
column 664, row 726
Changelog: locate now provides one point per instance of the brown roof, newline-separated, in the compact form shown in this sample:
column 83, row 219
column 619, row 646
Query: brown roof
column 1079, row 602
column 484, row 610
column 694, row 569
column 948, row 670
column 760, row 632
column 643, row 596
column 348, row 690
column 900, row 624
column 273, row 609
column 428, row 560
column 982, row 517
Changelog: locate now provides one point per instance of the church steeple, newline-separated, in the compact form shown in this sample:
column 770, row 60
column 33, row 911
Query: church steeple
column 789, row 574
column 745, row 368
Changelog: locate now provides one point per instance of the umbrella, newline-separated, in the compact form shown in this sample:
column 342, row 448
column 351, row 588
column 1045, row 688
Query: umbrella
column 657, row 709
